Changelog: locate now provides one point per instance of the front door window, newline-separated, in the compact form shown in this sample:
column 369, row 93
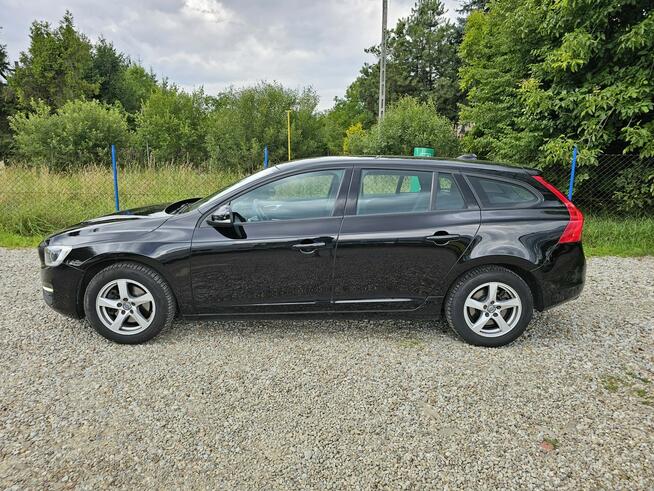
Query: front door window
column 301, row 196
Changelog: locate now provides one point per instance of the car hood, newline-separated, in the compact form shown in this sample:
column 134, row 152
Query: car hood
column 134, row 222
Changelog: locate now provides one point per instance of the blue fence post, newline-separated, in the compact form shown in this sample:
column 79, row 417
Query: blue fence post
column 265, row 157
column 115, row 169
column 572, row 172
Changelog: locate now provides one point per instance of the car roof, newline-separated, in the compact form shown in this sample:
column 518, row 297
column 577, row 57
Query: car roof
column 458, row 164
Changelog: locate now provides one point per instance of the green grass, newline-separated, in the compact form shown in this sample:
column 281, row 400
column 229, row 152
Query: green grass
column 35, row 202
column 604, row 236
column 11, row 241
column 552, row 441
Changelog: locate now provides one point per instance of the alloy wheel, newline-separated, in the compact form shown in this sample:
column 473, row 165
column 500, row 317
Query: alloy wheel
column 492, row 309
column 125, row 306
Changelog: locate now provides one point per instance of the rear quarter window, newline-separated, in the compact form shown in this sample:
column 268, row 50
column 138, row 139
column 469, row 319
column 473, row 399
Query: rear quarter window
column 497, row 193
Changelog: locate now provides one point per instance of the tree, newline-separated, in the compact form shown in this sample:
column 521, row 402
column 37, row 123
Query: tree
column 541, row 77
column 172, row 124
column 408, row 123
column 425, row 47
column 466, row 7
column 422, row 62
column 120, row 80
column 7, row 103
column 4, row 63
column 77, row 134
column 57, row 66
column 347, row 111
column 108, row 67
column 243, row 121
column 136, row 86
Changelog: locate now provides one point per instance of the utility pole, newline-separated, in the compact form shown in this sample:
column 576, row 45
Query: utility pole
column 382, row 63
column 288, row 129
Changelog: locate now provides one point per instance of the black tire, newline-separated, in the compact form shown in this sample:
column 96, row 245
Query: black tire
column 467, row 284
column 162, row 295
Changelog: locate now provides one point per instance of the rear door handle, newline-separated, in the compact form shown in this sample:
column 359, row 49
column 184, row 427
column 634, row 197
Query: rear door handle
column 442, row 239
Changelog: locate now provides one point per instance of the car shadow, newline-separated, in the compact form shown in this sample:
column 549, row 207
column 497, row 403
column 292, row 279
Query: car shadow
column 302, row 328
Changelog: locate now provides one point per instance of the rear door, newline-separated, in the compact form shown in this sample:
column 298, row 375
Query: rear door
column 404, row 229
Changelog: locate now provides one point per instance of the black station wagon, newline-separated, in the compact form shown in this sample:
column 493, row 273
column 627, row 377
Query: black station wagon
column 482, row 244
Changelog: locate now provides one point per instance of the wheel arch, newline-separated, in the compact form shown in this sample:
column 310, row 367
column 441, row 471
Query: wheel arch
column 102, row 261
column 519, row 266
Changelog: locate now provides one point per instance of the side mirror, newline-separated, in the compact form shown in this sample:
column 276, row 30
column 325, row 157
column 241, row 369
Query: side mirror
column 222, row 217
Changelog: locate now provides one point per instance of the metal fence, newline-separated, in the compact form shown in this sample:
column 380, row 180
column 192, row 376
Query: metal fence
column 615, row 185
column 35, row 201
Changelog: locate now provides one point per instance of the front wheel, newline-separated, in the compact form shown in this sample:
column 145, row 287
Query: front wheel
column 489, row 306
column 129, row 303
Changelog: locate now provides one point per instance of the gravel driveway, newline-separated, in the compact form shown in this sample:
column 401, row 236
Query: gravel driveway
column 331, row 404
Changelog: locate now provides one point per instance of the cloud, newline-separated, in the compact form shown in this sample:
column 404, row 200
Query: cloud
column 216, row 44
column 207, row 11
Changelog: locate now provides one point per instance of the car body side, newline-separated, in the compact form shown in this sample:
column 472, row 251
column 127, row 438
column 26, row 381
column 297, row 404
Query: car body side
column 524, row 239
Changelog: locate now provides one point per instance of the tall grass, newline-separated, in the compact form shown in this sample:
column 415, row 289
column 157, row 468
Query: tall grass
column 614, row 236
column 36, row 201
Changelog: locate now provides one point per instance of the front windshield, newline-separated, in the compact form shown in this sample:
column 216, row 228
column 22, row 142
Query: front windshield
column 231, row 187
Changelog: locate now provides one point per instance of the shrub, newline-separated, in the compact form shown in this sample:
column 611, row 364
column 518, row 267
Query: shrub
column 245, row 120
column 79, row 133
column 355, row 140
column 635, row 191
column 407, row 124
column 172, row 123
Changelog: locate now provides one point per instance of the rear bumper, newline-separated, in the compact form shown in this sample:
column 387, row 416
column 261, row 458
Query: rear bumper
column 562, row 277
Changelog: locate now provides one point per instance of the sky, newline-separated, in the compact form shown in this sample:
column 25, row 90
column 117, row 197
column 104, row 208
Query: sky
column 220, row 43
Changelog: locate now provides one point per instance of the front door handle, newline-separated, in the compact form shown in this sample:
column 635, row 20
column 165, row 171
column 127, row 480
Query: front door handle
column 309, row 245
column 309, row 248
column 442, row 239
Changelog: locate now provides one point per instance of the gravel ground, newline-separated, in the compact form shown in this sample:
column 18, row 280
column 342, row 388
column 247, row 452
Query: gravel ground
column 331, row 404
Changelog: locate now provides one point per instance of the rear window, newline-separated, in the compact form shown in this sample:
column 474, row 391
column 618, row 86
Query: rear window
column 496, row 193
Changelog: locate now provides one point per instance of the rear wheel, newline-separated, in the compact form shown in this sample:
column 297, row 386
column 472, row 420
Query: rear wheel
column 129, row 303
column 489, row 306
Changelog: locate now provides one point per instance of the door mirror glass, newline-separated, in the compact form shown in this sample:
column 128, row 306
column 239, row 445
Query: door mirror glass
column 222, row 217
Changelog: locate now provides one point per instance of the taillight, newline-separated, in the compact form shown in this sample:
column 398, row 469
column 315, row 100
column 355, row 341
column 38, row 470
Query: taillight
column 572, row 232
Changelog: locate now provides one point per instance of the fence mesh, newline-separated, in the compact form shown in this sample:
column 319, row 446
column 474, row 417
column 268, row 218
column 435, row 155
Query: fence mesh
column 35, row 201
column 616, row 185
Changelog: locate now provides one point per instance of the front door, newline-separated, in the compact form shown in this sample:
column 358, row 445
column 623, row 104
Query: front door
column 403, row 232
column 281, row 257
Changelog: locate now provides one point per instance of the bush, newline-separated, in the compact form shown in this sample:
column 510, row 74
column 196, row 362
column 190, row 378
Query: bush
column 245, row 120
column 79, row 133
column 172, row 124
column 407, row 124
column 635, row 191
column 355, row 138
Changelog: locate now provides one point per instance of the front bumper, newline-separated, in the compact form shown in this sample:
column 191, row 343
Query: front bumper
column 563, row 276
column 61, row 286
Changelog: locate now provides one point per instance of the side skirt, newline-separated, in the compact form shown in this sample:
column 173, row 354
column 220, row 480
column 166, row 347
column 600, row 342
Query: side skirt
column 431, row 309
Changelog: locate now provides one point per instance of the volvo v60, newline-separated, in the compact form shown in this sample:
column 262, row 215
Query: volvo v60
column 481, row 244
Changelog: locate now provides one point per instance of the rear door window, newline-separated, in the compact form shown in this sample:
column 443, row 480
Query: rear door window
column 496, row 193
column 394, row 191
column 448, row 194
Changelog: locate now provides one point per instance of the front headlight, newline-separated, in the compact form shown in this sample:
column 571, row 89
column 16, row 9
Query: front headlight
column 55, row 255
